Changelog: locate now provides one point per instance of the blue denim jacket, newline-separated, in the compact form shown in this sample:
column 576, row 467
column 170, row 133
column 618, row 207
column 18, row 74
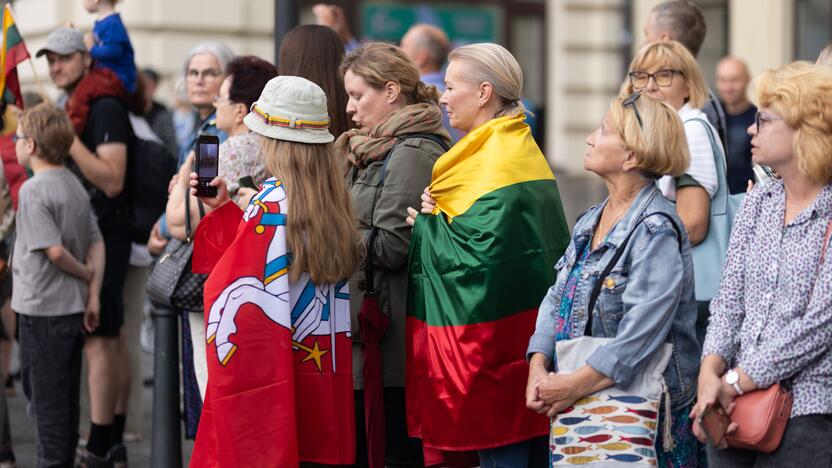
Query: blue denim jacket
column 648, row 298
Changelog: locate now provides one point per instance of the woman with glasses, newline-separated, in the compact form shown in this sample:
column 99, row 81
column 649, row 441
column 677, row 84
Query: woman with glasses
column 648, row 297
column 668, row 72
column 772, row 319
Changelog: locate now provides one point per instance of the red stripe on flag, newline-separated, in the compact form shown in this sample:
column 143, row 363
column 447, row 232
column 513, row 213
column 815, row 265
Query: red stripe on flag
column 466, row 384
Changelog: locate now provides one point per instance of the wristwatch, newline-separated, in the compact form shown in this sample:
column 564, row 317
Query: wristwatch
column 732, row 378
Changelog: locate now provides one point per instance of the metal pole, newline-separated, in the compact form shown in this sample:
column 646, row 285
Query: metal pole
column 286, row 17
column 166, row 448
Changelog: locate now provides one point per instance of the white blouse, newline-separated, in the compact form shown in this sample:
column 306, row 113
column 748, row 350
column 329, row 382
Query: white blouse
column 702, row 166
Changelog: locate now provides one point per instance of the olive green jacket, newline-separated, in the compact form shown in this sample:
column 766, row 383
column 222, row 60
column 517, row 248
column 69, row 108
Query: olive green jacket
column 408, row 173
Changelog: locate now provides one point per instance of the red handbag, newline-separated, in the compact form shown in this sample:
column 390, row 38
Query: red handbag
column 761, row 418
column 762, row 415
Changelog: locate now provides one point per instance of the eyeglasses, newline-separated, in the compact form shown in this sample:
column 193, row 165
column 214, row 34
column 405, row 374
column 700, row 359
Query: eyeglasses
column 662, row 78
column 16, row 137
column 209, row 74
column 630, row 101
column 760, row 119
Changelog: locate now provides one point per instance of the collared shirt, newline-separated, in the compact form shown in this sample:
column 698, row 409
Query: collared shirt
column 773, row 315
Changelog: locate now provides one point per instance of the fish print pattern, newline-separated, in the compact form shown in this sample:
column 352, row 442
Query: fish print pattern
column 602, row 429
column 563, row 440
column 586, row 400
column 573, row 421
column 632, row 430
column 596, row 439
column 644, row 413
column 582, row 460
column 615, row 446
column 626, row 419
column 625, row 457
column 637, row 440
column 601, row 410
column 575, row 450
column 627, row 399
column 587, row 430
column 559, row 430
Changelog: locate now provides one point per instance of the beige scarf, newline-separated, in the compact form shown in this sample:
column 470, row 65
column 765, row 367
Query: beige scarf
column 362, row 148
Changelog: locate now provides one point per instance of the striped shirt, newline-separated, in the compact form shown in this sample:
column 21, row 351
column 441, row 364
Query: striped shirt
column 702, row 166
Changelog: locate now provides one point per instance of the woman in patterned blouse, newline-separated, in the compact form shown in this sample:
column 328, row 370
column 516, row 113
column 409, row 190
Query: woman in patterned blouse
column 772, row 319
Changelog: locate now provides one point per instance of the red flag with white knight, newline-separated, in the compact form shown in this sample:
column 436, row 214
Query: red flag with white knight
column 279, row 353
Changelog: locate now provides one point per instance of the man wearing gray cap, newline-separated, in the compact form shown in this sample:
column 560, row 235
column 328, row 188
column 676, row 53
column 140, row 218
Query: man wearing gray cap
column 98, row 157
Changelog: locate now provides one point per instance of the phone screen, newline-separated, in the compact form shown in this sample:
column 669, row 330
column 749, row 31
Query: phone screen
column 715, row 422
column 208, row 160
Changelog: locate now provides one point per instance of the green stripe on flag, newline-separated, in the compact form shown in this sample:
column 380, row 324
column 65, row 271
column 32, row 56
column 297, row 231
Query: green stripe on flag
column 494, row 260
column 13, row 37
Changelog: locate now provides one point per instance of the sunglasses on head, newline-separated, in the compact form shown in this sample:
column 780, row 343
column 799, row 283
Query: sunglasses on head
column 630, row 101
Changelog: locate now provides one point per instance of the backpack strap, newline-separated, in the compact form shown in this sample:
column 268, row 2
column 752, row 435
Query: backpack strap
column 370, row 259
column 596, row 289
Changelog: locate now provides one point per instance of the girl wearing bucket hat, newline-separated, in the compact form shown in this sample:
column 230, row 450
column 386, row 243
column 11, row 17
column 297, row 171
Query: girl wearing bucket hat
column 391, row 153
column 277, row 299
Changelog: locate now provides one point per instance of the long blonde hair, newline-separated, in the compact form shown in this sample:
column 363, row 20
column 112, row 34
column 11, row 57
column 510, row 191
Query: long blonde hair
column 320, row 226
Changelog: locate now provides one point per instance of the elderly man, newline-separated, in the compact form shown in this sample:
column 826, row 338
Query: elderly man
column 428, row 47
column 732, row 79
column 681, row 20
column 98, row 157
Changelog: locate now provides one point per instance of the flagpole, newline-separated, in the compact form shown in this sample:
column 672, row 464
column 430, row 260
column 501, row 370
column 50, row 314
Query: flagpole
column 38, row 83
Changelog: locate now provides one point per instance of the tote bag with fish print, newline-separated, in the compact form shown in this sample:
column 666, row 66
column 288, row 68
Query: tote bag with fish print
column 613, row 427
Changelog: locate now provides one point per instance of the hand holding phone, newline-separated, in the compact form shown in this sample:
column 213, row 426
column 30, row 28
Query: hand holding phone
column 206, row 164
column 714, row 423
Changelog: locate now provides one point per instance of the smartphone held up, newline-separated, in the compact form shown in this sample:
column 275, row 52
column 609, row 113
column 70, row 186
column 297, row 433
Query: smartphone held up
column 206, row 164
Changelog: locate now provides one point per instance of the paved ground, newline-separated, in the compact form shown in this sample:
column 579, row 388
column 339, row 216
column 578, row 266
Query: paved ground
column 23, row 431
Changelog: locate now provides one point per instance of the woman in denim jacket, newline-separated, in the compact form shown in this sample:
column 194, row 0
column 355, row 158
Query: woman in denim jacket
column 648, row 298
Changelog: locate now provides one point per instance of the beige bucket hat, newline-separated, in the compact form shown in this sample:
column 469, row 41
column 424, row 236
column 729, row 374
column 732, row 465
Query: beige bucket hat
column 291, row 108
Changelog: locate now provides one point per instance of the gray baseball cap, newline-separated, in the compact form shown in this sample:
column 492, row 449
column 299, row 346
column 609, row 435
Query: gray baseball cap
column 63, row 41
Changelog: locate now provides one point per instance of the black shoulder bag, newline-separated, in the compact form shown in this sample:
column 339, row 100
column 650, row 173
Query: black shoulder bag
column 172, row 283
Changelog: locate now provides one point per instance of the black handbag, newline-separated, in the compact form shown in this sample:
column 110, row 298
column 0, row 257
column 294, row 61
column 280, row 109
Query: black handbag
column 172, row 283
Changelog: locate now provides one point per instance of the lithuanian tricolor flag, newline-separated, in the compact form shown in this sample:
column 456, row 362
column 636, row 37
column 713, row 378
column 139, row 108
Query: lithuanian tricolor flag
column 13, row 52
column 479, row 268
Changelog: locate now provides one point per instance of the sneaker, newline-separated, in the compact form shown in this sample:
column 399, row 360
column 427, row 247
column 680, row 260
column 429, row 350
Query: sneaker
column 8, row 461
column 118, row 454
column 86, row 459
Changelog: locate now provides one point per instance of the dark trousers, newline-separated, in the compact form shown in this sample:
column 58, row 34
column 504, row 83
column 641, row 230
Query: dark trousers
column 402, row 451
column 50, row 362
column 806, row 443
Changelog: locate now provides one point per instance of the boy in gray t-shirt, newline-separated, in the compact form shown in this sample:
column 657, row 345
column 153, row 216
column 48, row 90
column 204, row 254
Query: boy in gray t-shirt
column 57, row 266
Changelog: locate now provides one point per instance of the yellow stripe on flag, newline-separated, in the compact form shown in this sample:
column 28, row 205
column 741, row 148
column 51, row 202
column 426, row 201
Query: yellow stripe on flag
column 497, row 154
column 8, row 21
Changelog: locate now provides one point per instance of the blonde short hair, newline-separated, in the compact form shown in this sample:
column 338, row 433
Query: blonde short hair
column 494, row 64
column 50, row 128
column 802, row 93
column 674, row 55
column 660, row 148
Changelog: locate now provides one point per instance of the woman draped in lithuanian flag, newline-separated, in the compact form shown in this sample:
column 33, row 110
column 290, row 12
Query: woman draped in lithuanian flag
column 480, row 264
